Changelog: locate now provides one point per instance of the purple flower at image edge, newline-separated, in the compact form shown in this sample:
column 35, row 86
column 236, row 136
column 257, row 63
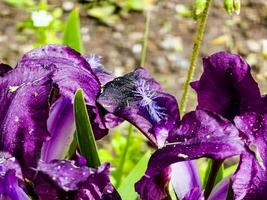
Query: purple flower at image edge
column 37, row 125
column 228, row 88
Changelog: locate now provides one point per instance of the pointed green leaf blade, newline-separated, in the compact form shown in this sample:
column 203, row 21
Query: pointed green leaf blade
column 126, row 189
column 85, row 135
column 72, row 35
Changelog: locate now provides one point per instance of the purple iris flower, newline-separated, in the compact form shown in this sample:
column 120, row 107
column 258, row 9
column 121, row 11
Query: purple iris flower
column 228, row 88
column 37, row 103
column 139, row 99
column 37, row 124
column 58, row 179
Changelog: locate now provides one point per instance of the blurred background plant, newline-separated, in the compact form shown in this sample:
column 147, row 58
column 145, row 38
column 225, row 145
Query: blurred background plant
column 43, row 22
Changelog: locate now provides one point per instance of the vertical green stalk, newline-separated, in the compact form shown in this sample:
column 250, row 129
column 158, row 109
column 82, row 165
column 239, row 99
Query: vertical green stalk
column 123, row 158
column 145, row 41
column 197, row 43
column 215, row 167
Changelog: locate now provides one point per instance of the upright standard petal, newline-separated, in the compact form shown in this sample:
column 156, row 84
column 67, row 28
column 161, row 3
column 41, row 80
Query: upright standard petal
column 139, row 99
column 226, row 86
column 61, row 125
column 200, row 134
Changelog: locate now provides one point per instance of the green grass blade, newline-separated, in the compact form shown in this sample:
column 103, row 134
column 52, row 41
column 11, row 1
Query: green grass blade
column 72, row 35
column 85, row 135
column 123, row 157
column 126, row 189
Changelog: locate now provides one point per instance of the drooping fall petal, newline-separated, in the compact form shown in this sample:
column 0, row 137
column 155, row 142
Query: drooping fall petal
column 200, row 134
column 254, row 129
column 250, row 179
column 139, row 99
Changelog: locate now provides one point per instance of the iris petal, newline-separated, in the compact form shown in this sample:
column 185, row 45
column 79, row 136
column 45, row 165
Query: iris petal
column 95, row 62
column 61, row 126
column 24, row 94
column 200, row 134
column 250, row 180
column 254, row 128
column 98, row 186
column 195, row 194
column 139, row 99
column 64, row 173
column 10, row 189
column 11, row 178
column 62, row 179
column 70, row 72
column 227, row 86
column 155, row 188
column 24, row 112
column 220, row 191
column 184, row 177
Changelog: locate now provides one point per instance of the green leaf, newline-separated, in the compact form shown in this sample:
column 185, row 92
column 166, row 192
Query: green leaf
column 72, row 35
column 104, row 13
column 126, row 189
column 85, row 135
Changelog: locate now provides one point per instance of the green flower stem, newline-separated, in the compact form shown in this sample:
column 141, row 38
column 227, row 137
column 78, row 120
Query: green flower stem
column 146, row 33
column 197, row 43
column 216, row 164
column 124, row 155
